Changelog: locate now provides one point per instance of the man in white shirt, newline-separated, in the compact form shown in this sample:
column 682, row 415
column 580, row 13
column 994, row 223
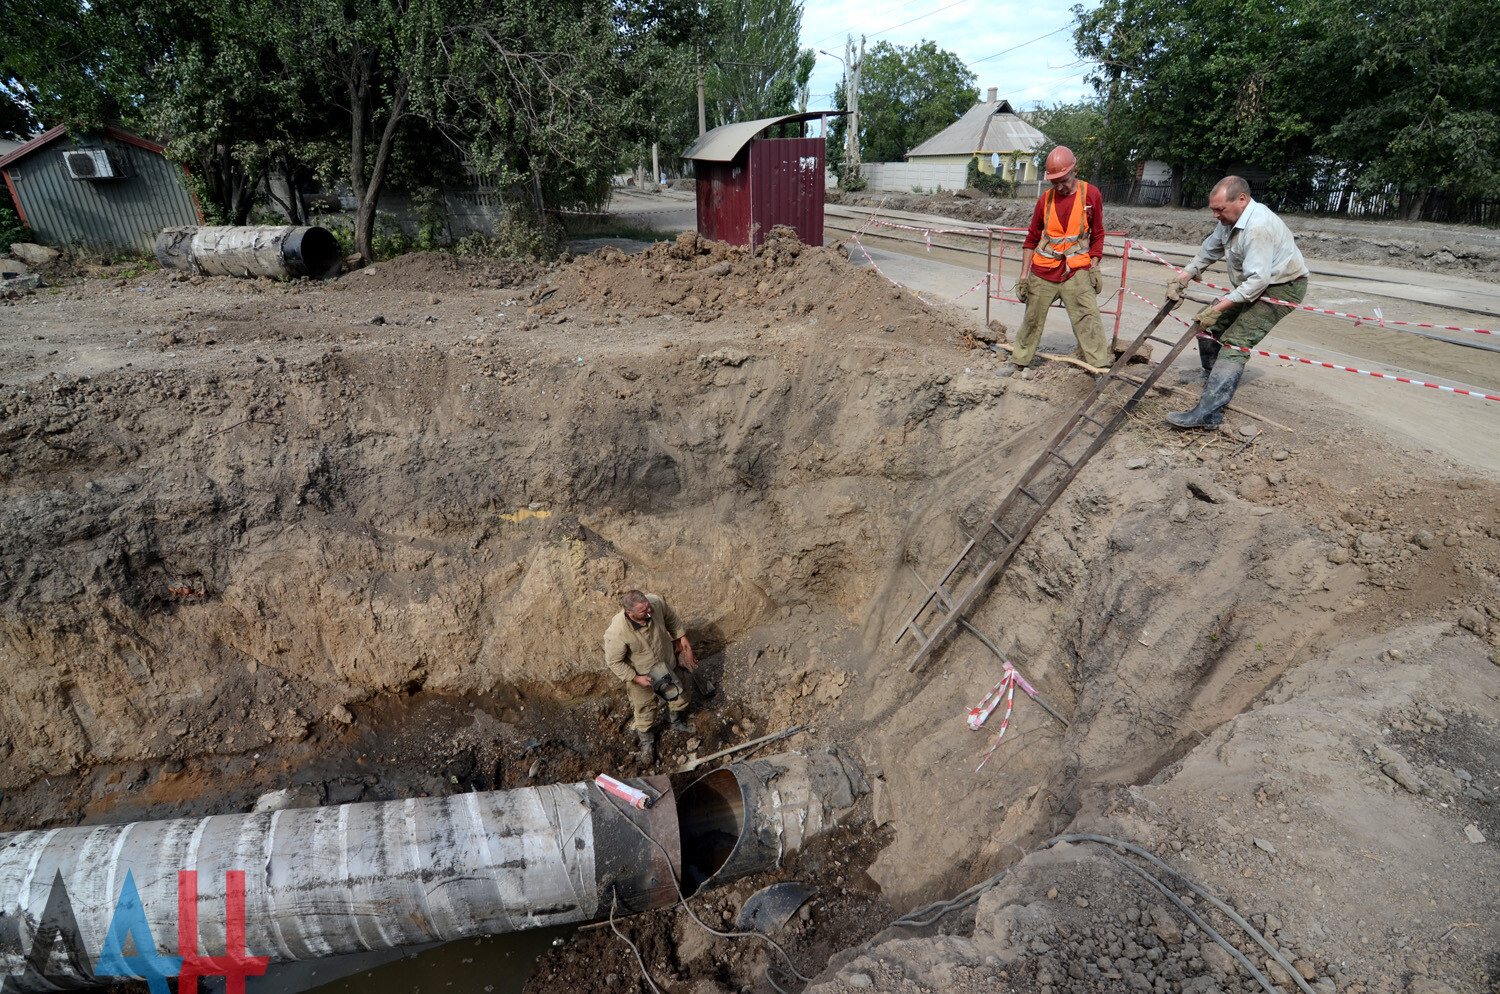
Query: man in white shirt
column 1264, row 265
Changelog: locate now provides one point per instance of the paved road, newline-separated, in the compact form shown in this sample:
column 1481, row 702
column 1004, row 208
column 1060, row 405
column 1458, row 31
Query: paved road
column 1459, row 427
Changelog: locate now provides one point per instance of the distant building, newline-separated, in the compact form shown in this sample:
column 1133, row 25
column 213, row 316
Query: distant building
column 990, row 128
column 108, row 192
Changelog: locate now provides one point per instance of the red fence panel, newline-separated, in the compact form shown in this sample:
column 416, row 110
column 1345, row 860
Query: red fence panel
column 786, row 178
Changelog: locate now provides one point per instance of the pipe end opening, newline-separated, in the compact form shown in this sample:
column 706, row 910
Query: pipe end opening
column 711, row 819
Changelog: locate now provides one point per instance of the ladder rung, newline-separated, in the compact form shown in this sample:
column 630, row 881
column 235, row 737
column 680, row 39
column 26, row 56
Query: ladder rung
column 1162, row 340
column 1054, row 455
column 1004, row 535
column 1094, row 420
column 913, row 626
column 1033, row 497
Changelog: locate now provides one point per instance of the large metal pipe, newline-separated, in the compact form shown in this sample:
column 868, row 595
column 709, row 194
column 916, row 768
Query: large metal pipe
column 362, row 877
column 257, row 250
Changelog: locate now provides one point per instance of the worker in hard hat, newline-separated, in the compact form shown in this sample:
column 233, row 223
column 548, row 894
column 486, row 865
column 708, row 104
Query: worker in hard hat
column 1265, row 265
column 1060, row 258
column 644, row 645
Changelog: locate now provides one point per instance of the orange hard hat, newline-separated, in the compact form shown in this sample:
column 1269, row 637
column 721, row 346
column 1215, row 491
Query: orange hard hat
column 1060, row 161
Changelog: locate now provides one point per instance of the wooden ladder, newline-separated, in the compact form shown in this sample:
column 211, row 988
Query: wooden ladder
column 985, row 555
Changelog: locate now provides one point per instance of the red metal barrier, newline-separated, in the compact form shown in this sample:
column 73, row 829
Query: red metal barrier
column 996, row 264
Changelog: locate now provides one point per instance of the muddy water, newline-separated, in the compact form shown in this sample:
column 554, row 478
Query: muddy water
column 499, row 964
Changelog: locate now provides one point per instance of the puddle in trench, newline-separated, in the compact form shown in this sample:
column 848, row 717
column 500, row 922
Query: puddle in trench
column 495, row 964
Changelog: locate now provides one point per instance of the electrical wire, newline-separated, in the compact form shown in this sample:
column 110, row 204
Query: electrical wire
column 614, row 901
column 1229, row 912
column 682, row 900
column 1023, row 44
column 930, row 913
column 914, row 20
column 1197, row 919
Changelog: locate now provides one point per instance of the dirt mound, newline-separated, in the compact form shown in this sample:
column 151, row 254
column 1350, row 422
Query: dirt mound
column 782, row 281
column 417, row 271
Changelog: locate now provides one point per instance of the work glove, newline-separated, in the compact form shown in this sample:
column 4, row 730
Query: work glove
column 1096, row 279
column 1178, row 285
column 1022, row 289
column 1208, row 317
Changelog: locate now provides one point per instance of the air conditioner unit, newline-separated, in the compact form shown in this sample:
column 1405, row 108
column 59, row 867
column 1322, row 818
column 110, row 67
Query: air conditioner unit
column 92, row 163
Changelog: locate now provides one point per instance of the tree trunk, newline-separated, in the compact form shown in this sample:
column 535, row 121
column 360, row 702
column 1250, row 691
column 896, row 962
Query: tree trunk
column 1176, row 200
column 369, row 200
column 1418, row 201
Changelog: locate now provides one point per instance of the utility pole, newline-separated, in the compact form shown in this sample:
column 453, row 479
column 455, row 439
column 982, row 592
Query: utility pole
column 854, row 66
column 655, row 165
column 702, row 118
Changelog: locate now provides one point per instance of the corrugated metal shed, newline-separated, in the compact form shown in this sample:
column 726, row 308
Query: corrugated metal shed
column 988, row 126
column 747, row 183
column 120, row 213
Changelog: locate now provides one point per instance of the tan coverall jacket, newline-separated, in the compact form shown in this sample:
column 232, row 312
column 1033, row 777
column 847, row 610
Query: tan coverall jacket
column 630, row 651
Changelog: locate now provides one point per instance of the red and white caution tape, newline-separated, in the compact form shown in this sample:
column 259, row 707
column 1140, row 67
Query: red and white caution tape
column 895, row 283
column 977, row 716
column 1379, row 319
column 1330, row 365
column 654, row 210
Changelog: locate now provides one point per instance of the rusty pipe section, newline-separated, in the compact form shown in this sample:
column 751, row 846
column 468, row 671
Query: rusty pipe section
column 255, row 250
column 362, row 877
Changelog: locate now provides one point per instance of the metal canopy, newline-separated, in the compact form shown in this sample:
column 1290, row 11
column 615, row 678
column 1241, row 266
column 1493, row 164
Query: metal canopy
column 723, row 143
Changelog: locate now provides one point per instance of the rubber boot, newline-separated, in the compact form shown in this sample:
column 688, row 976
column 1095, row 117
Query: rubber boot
column 648, row 747
column 1223, row 379
column 1208, row 353
column 677, row 724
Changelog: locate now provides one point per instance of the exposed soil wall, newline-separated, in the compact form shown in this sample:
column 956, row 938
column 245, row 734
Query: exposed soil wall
column 236, row 516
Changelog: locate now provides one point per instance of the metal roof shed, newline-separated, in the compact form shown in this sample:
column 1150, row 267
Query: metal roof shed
column 107, row 192
column 749, row 181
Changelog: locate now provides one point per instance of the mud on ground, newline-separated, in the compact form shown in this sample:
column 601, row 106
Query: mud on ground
column 1466, row 249
column 254, row 538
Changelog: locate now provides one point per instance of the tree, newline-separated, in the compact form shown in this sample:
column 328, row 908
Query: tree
column 907, row 94
column 1418, row 107
column 1081, row 127
column 754, row 67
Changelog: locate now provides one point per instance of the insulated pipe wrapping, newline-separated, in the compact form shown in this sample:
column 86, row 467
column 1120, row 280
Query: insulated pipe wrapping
column 257, row 250
column 357, row 877
column 747, row 817
column 361, row 877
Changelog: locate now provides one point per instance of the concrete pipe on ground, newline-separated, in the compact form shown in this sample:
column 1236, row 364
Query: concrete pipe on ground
column 256, row 250
column 308, row 883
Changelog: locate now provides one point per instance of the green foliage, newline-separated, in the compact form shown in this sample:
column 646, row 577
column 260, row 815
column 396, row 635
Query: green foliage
column 12, row 228
column 753, row 67
column 1081, row 127
column 989, row 183
column 1398, row 92
column 520, row 234
column 389, row 239
column 432, row 218
column 853, row 183
column 907, row 94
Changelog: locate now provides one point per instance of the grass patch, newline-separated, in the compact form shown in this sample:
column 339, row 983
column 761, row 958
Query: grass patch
column 617, row 227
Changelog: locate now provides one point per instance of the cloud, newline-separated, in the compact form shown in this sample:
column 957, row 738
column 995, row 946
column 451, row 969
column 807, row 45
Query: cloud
column 1044, row 72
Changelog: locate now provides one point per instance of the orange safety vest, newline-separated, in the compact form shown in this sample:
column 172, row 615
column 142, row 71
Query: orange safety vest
column 1071, row 242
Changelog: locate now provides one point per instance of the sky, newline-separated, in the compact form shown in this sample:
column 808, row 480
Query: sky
column 1043, row 72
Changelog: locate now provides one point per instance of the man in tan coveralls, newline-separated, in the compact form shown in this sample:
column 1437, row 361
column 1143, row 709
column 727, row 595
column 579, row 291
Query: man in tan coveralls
column 647, row 635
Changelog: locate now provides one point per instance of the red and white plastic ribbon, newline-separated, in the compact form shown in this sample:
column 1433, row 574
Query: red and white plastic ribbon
column 1379, row 319
column 1329, row 365
column 977, row 716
